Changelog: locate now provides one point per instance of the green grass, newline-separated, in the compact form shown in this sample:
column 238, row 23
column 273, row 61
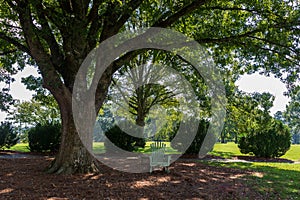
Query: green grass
column 293, row 153
column 272, row 180
column 98, row 148
column 169, row 149
column 21, row 147
column 276, row 180
column 228, row 150
column 231, row 149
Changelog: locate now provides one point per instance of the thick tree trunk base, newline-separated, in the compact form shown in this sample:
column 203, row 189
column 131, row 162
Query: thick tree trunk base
column 57, row 168
column 83, row 163
column 73, row 157
column 74, row 153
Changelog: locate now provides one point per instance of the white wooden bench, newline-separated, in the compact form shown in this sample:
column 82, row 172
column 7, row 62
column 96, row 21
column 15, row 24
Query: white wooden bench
column 158, row 157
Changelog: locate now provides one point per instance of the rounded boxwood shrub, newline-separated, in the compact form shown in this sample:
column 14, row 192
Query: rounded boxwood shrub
column 272, row 140
column 116, row 137
column 44, row 137
column 196, row 144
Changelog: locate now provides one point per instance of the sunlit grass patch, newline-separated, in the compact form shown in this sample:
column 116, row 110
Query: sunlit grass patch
column 272, row 180
column 293, row 153
column 20, row 147
column 231, row 149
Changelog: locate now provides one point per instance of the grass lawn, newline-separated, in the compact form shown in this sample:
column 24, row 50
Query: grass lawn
column 227, row 150
column 230, row 149
column 293, row 153
column 273, row 180
column 21, row 147
column 276, row 180
column 98, row 148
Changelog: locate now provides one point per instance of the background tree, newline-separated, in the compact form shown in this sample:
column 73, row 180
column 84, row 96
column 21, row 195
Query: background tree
column 56, row 36
column 8, row 136
column 258, row 132
column 5, row 98
column 35, row 111
column 138, row 88
column 292, row 117
column 244, row 112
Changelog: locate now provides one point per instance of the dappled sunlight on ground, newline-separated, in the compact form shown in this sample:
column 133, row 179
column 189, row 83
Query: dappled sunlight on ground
column 24, row 178
column 6, row 190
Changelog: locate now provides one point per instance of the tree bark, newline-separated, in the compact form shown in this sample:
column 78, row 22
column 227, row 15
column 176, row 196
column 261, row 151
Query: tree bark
column 73, row 156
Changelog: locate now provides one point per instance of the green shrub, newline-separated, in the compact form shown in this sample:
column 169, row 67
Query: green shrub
column 8, row 137
column 196, row 144
column 44, row 138
column 120, row 139
column 270, row 141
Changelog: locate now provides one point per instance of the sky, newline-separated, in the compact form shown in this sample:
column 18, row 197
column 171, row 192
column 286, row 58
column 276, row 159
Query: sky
column 259, row 83
column 18, row 89
column 247, row 83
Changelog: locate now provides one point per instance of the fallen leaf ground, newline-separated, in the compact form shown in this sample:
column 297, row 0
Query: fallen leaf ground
column 24, row 178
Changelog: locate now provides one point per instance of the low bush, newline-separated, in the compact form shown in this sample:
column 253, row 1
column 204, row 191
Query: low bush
column 44, row 138
column 270, row 141
column 180, row 142
column 116, row 138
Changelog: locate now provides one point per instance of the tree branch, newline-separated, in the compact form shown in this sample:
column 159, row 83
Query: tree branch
column 120, row 90
column 8, row 52
column 113, row 21
column 14, row 42
column 54, row 16
column 47, row 35
column 12, row 26
column 51, row 79
column 163, row 23
column 227, row 39
column 291, row 59
column 273, row 43
column 264, row 12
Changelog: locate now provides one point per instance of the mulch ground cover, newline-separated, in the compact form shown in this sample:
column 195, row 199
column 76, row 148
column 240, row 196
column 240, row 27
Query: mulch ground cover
column 24, row 178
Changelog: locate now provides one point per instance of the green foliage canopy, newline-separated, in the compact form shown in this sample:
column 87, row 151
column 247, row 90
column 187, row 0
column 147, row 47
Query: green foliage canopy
column 243, row 37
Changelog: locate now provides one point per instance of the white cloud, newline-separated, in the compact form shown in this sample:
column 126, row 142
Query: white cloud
column 260, row 83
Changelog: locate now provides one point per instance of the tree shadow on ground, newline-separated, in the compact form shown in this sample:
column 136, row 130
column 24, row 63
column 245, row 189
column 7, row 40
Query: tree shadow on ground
column 24, row 178
column 223, row 154
column 271, row 180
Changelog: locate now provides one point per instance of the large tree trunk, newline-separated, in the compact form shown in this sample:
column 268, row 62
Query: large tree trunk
column 73, row 156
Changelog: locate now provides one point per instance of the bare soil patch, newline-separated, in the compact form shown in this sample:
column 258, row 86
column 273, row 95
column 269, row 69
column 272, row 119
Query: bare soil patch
column 24, row 178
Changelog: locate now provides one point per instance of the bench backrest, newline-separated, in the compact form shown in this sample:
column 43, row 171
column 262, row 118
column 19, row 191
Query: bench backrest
column 157, row 145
